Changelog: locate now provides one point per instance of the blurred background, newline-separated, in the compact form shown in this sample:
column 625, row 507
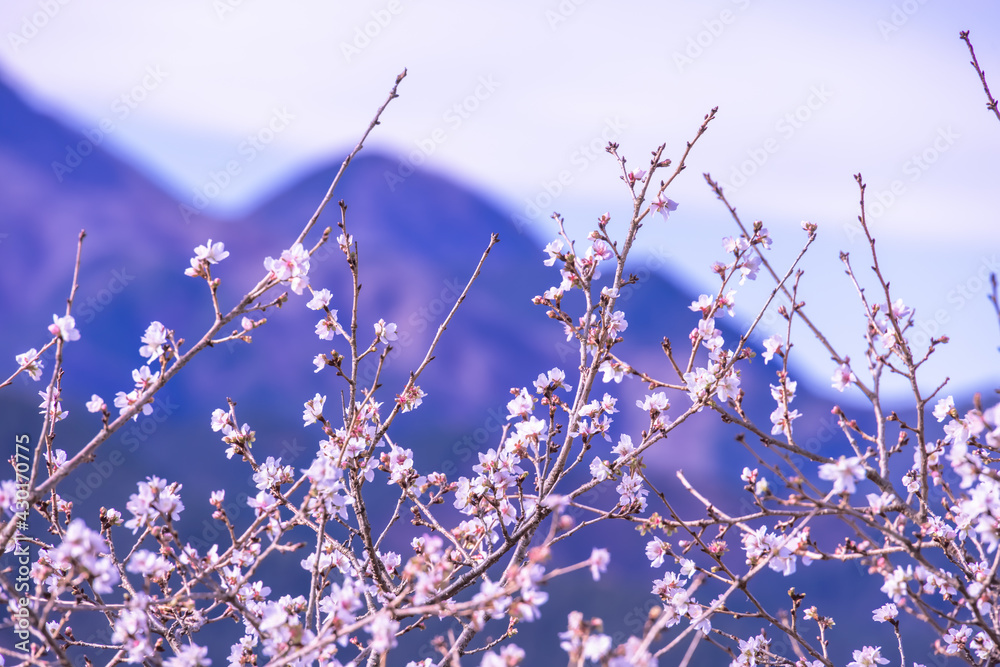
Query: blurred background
column 509, row 98
column 158, row 127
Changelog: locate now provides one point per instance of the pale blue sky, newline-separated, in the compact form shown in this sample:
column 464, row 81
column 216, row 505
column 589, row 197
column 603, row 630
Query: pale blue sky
column 507, row 97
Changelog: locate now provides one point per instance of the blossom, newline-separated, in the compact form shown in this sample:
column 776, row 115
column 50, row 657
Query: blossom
column 328, row 327
column 124, row 403
column 320, row 300
column 955, row 639
column 554, row 249
column 636, row 175
column 868, row 657
column 291, row 267
column 31, row 362
column 613, row 370
column 654, row 402
column 344, row 243
column 520, row 405
column 96, row 404
column 843, row 472
column 149, row 564
column 632, row 493
column 895, row 584
column 624, row 448
column 751, row 651
column 84, row 551
column 773, row 345
column 598, row 561
column 190, row 655
column 656, row 551
column 386, row 333
column 51, row 404
column 886, row 612
column 617, row 323
column 399, row 462
column 599, row 469
column 131, row 630
column 899, row 310
column 728, row 386
column 213, row 253
column 383, row 630
column 313, row 409
column 319, row 361
column 782, row 420
column 842, row 377
column 221, row 421
column 703, row 304
column 64, row 327
column 880, row 502
column 663, row 205
column 555, row 378
column 749, row 268
column 982, row 645
column 943, row 408
column 411, row 398
column 153, row 340
column 780, row 549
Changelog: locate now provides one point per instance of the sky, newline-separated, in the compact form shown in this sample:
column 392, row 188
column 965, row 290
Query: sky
column 517, row 100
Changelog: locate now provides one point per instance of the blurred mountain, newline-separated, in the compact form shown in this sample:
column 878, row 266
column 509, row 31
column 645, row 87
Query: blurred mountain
column 419, row 241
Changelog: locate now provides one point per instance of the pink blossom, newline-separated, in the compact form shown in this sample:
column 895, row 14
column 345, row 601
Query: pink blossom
column 656, row 551
column 773, row 345
column 153, row 340
column 868, row 657
column 843, row 473
column 703, row 304
column 663, row 205
column 654, row 402
column 291, row 267
column 386, row 333
column 886, row 612
column 553, row 249
column 636, row 175
column 599, row 559
column 64, row 327
column 213, row 253
column 842, row 377
column 944, row 408
column 320, row 299
column 613, row 370
column 521, row 405
column 31, row 362
column 313, row 409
